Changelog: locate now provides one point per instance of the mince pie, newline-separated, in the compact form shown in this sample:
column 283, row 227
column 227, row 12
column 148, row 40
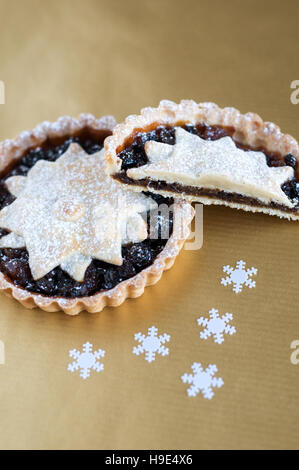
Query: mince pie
column 71, row 238
column 200, row 152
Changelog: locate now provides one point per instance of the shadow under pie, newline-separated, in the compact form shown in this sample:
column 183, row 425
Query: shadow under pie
column 64, row 266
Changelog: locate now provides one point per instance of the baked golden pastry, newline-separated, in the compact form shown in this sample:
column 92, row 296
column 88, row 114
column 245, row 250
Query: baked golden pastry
column 202, row 153
column 71, row 237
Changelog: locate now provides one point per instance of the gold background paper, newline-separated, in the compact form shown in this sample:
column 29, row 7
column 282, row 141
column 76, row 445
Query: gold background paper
column 114, row 57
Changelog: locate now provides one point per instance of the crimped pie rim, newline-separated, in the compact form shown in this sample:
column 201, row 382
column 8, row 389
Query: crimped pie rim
column 250, row 130
column 10, row 151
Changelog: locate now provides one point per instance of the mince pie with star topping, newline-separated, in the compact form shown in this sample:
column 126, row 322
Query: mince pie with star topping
column 71, row 238
column 200, row 152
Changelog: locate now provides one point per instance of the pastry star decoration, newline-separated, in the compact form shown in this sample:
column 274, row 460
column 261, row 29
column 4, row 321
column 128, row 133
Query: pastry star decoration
column 69, row 211
column 217, row 164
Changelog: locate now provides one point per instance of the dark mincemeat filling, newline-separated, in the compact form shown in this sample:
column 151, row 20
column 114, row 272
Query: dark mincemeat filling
column 134, row 156
column 99, row 275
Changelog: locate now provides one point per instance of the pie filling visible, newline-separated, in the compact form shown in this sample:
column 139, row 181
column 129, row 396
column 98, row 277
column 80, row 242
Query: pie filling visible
column 134, row 156
column 99, row 275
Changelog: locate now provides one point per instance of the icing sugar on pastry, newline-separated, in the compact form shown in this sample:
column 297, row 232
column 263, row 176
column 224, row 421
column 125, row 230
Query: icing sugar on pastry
column 218, row 164
column 70, row 211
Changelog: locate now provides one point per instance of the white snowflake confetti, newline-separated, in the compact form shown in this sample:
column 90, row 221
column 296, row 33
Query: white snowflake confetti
column 151, row 344
column 239, row 276
column 86, row 360
column 216, row 326
column 202, row 380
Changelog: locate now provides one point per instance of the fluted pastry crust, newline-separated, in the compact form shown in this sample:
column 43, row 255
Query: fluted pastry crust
column 249, row 130
column 12, row 150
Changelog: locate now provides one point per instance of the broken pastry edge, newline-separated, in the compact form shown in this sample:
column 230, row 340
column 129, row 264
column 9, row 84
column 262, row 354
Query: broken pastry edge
column 165, row 164
column 208, row 201
column 250, row 130
column 220, row 184
column 131, row 288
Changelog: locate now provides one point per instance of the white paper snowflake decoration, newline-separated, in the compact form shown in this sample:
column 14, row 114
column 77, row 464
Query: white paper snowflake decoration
column 202, row 381
column 216, row 326
column 86, row 360
column 151, row 344
column 239, row 276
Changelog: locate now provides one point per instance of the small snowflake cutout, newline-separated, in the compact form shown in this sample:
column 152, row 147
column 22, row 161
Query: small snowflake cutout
column 202, row 380
column 216, row 326
column 86, row 360
column 239, row 276
column 151, row 344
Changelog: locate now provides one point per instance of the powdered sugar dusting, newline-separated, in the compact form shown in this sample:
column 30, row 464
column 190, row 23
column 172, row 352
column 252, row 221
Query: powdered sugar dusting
column 11, row 150
column 249, row 128
column 218, row 164
column 65, row 126
column 70, row 211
